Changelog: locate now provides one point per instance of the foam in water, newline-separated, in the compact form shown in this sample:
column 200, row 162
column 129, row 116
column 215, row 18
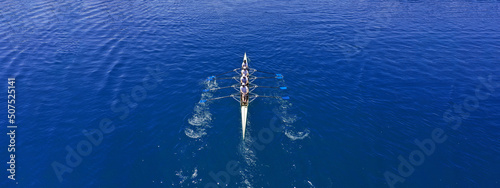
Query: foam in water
column 195, row 173
column 248, row 153
column 297, row 135
column 181, row 177
column 201, row 118
column 194, row 134
column 289, row 119
column 199, row 122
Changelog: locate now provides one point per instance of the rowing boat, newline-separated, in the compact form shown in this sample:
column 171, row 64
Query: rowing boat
column 244, row 108
column 239, row 95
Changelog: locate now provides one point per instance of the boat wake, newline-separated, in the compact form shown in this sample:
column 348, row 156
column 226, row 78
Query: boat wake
column 247, row 152
column 202, row 117
column 199, row 122
column 289, row 119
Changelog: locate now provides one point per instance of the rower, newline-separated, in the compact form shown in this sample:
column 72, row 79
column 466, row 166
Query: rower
column 244, row 64
column 244, row 80
column 244, row 93
column 244, row 72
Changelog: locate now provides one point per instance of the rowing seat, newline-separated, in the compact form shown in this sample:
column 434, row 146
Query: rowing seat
column 241, row 101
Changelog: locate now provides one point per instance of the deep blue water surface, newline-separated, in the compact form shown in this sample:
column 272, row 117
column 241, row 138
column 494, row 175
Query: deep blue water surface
column 366, row 79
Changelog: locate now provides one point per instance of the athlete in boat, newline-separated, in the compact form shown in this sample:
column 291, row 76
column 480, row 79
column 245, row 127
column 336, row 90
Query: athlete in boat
column 244, row 65
column 244, row 80
column 244, row 93
column 244, row 72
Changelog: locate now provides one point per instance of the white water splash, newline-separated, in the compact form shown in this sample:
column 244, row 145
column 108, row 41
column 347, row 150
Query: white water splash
column 194, row 134
column 289, row 119
column 202, row 117
column 199, row 122
column 195, row 173
column 182, row 177
column 283, row 114
column 248, row 153
column 297, row 135
column 311, row 184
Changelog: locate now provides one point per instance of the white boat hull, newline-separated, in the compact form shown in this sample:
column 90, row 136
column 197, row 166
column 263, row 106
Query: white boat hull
column 244, row 113
column 244, row 109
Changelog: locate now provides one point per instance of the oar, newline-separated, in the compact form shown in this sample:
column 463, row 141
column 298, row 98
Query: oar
column 278, row 76
column 203, row 101
column 213, row 77
column 250, row 77
column 213, row 89
column 282, row 88
column 264, row 77
column 276, row 97
column 224, row 78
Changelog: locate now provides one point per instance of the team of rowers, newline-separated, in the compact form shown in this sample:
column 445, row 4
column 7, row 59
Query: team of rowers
column 244, row 81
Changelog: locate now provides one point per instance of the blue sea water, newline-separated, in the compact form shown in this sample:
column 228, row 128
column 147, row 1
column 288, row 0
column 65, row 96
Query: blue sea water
column 366, row 79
